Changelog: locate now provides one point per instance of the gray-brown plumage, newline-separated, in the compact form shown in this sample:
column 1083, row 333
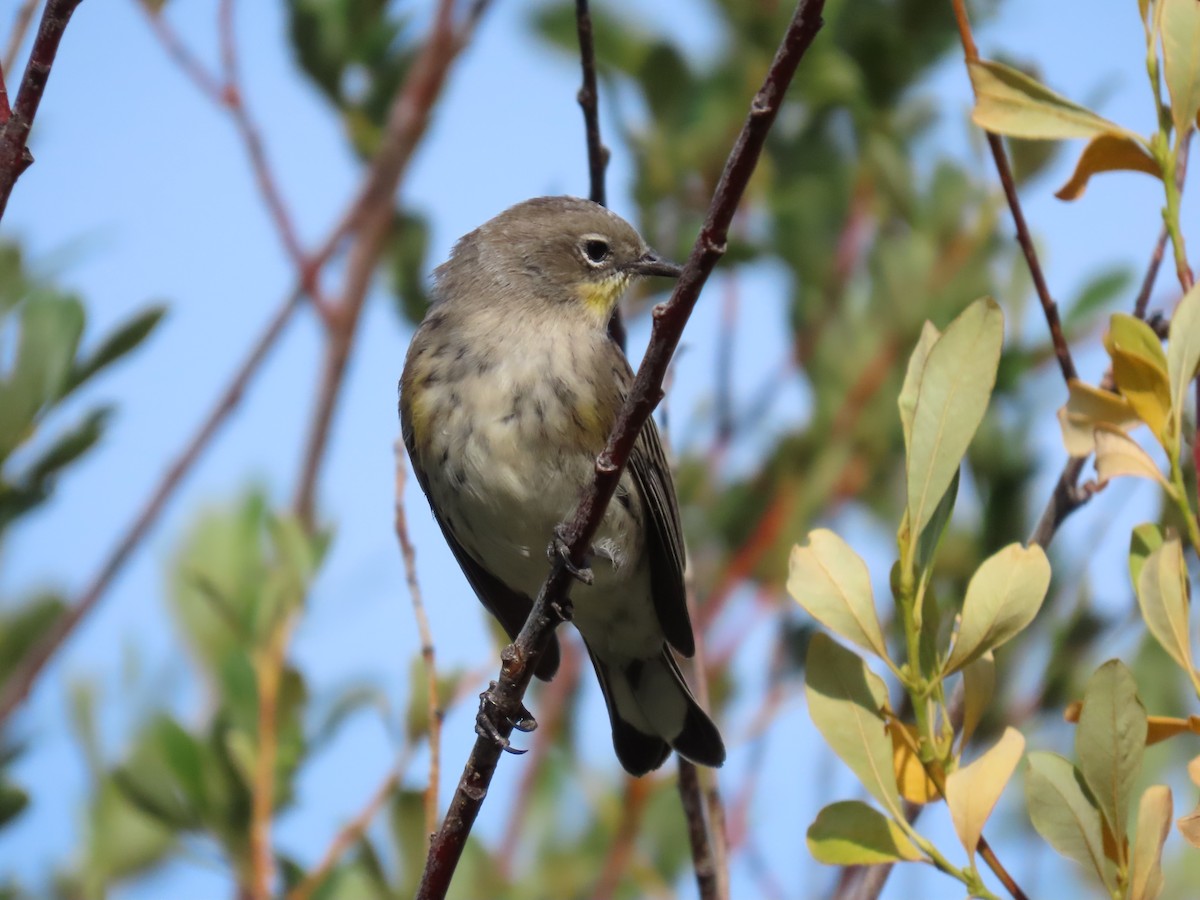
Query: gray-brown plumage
column 510, row 389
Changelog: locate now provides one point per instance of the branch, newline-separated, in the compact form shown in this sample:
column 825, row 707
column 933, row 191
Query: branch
column 268, row 673
column 371, row 221
column 1024, row 238
column 14, row 155
column 427, row 649
column 588, row 97
column 552, row 606
column 691, row 795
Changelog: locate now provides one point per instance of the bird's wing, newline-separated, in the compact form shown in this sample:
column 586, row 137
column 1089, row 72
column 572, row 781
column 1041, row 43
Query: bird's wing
column 510, row 608
column 664, row 534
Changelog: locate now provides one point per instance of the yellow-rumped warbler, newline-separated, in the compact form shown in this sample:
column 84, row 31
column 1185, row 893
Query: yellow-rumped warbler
column 509, row 392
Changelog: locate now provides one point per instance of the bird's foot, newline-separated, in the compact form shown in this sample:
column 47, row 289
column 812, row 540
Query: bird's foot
column 486, row 727
column 558, row 550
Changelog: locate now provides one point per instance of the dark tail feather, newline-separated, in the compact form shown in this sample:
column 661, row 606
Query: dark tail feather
column 699, row 740
column 637, row 751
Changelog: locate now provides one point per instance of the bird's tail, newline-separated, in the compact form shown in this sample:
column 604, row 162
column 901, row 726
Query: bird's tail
column 653, row 712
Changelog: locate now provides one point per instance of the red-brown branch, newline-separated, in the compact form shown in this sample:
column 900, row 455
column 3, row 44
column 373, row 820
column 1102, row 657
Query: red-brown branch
column 552, row 604
column 14, row 154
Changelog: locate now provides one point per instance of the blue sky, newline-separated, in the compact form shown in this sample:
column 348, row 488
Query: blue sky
column 141, row 192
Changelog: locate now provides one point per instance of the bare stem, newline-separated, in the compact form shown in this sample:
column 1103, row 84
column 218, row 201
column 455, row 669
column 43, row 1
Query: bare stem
column 14, row 135
column 552, row 605
column 269, row 671
column 598, row 154
column 428, row 657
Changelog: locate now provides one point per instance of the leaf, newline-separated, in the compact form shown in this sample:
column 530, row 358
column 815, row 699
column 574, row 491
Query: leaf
column 851, row 833
column 1003, row 596
column 1146, row 538
column 973, row 790
column 1086, row 407
column 1160, row 728
column 1110, row 741
column 1183, row 341
column 1162, row 595
column 1117, row 454
column 1098, row 292
column 123, row 340
column 1108, row 152
column 71, row 445
column 911, row 778
column 1062, row 812
column 1189, row 826
column 1179, row 25
column 951, row 400
column 832, row 583
column 1153, row 825
column 1140, row 370
column 931, row 537
column 1011, row 103
column 1193, row 770
column 844, row 701
column 979, row 683
column 912, row 380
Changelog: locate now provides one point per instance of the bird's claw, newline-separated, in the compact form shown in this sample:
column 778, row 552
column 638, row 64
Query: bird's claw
column 559, row 550
column 485, row 727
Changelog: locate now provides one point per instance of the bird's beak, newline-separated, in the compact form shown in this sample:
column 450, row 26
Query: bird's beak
column 650, row 263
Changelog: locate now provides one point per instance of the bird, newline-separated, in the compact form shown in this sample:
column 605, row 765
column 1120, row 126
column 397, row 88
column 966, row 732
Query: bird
column 510, row 388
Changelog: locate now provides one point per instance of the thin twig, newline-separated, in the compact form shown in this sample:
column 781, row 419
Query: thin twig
column 1024, row 238
column 1156, row 258
column 14, row 155
column 16, row 37
column 588, row 96
column 204, row 81
column 372, row 220
column 691, row 795
column 269, row 673
column 551, row 607
column 409, row 554
column 351, row 833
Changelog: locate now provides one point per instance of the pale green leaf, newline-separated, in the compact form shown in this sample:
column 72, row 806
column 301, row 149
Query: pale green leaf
column 1179, row 25
column 1003, row 596
column 951, row 400
column 851, row 833
column 1162, row 595
column 1062, row 812
column 844, row 700
column 1110, row 740
column 1117, row 455
column 1086, row 407
column 1011, row 103
column 1153, row 825
column 912, row 379
column 972, row 791
column 832, row 583
column 1146, row 538
column 1183, row 340
column 979, row 684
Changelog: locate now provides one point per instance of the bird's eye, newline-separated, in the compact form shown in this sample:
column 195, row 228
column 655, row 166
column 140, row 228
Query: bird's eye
column 596, row 250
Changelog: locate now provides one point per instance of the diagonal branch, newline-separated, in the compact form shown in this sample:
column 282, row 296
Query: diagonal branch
column 589, row 102
column 14, row 155
column 552, row 606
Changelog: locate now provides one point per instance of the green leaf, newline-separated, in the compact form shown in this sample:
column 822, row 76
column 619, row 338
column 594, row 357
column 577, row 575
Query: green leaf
column 1153, row 826
column 1146, row 538
column 1098, row 292
column 13, row 801
column 71, row 445
column 973, row 790
column 927, row 544
column 24, row 627
column 409, row 249
column 851, row 833
column 844, row 700
column 1108, row 152
column 979, row 684
column 1011, row 103
column 1062, row 812
column 1162, row 591
column 1003, row 596
column 951, row 400
column 123, row 340
column 912, row 380
column 1183, row 340
column 832, row 583
column 1179, row 25
column 1110, row 740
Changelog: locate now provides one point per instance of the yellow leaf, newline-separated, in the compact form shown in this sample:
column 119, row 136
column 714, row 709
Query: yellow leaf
column 1153, row 825
column 972, row 791
column 1085, row 408
column 979, row 683
column 1159, row 728
column 1108, row 152
column 915, row 785
column 1118, row 454
column 1193, row 770
column 1011, row 103
column 1189, row 827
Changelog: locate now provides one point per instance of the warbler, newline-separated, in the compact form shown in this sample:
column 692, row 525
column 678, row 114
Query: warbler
column 510, row 389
